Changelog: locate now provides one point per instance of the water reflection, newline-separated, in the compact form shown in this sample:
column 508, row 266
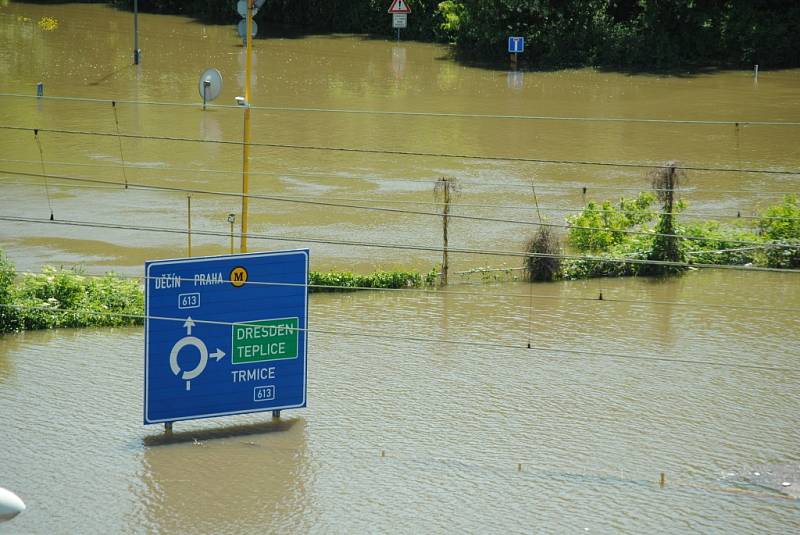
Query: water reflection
column 247, row 476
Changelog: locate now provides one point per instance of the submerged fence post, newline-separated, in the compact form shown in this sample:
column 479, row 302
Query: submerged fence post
column 445, row 189
column 40, row 89
column 231, row 220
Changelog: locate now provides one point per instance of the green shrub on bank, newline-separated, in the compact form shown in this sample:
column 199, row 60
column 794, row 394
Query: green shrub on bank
column 782, row 221
column 7, row 276
column 333, row 281
column 599, row 227
column 773, row 242
column 67, row 298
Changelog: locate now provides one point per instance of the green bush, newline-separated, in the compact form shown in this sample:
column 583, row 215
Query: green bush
column 343, row 280
column 67, row 298
column 780, row 229
column 9, row 316
column 602, row 223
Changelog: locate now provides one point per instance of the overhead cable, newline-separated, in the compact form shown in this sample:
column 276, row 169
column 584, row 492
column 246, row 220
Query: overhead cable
column 388, row 152
column 419, row 339
column 580, row 187
column 407, row 247
column 454, row 115
column 434, row 214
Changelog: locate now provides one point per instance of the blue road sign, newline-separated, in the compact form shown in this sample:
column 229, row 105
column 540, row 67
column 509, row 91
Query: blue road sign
column 516, row 45
column 225, row 335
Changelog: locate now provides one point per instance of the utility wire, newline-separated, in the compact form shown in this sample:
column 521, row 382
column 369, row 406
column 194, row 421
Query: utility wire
column 727, row 122
column 433, row 214
column 44, row 172
column 573, row 353
column 544, row 208
column 298, row 174
column 121, row 156
column 438, row 293
column 407, row 247
column 388, row 152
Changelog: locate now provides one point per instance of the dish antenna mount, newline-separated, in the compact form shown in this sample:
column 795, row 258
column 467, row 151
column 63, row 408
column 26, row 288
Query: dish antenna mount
column 210, row 85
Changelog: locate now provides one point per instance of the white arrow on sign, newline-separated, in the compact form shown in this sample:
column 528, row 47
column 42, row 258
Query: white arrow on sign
column 218, row 354
column 189, row 324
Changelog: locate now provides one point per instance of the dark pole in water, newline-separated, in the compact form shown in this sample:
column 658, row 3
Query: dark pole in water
column 136, row 50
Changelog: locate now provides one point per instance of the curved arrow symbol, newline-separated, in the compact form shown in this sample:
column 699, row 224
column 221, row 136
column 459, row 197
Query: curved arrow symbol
column 201, row 365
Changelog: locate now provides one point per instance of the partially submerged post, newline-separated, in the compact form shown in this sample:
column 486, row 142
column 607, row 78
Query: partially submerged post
column 666, row 247
column 445, row 190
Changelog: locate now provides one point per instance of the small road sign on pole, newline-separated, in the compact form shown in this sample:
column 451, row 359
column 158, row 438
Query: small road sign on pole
column 399, row 6
column 516, row 45
column 399, row 20
column 225, row 335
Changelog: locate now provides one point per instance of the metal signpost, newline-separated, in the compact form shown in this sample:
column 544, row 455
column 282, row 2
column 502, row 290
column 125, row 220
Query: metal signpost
column 399, row 11
column 225, row 335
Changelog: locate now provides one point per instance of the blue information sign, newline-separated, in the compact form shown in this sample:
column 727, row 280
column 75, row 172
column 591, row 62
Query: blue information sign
column 516, row 45
column 225, row 335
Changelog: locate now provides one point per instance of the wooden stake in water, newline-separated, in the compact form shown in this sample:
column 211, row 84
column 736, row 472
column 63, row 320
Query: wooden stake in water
column 445, row 189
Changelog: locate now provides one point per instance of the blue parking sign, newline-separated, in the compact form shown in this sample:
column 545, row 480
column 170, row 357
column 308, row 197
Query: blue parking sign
column 225, row 335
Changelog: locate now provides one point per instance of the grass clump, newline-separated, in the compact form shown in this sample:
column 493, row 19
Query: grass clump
column 547, row 266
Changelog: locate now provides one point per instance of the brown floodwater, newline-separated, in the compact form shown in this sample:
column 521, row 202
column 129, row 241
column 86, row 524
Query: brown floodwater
column 412, row 424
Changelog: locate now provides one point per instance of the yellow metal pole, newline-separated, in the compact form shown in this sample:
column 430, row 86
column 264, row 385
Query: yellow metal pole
column 189, row 221
column 246, row 145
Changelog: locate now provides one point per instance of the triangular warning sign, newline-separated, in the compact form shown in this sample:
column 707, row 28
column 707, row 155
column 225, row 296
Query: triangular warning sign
column 399, row 6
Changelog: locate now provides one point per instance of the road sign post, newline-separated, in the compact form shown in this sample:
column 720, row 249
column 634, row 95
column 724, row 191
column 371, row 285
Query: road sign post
column 399, row 11
column 516, row 45
column 225, row 335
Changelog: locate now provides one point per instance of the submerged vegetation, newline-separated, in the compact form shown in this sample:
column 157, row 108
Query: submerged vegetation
column 66, row 298
column 59, row 297
column 633, row 236
column 608, row 235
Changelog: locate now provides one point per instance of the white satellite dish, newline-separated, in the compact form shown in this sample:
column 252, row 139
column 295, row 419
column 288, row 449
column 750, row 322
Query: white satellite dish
column 10, row 505
column 210, row 85
column 242, row 28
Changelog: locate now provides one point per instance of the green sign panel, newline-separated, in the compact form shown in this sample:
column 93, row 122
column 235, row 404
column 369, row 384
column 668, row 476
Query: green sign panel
column 259, row 341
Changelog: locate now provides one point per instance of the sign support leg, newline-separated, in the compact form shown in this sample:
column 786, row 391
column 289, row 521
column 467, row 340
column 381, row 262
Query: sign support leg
column 168, row 427
column 276, row 415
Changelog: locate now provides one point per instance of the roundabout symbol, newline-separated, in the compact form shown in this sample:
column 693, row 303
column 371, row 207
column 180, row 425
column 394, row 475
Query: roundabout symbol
column 190, row 340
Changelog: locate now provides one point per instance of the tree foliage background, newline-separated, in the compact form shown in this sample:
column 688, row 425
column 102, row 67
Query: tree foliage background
column 650, row 34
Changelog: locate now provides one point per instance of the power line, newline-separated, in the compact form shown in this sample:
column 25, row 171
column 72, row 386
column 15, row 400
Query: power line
column 470, row 343
column 297, row 174
column 434, row 292
column 356, row 150
column 544, row 208
column 408, row 247
column 453, row 115
column 129, row 185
